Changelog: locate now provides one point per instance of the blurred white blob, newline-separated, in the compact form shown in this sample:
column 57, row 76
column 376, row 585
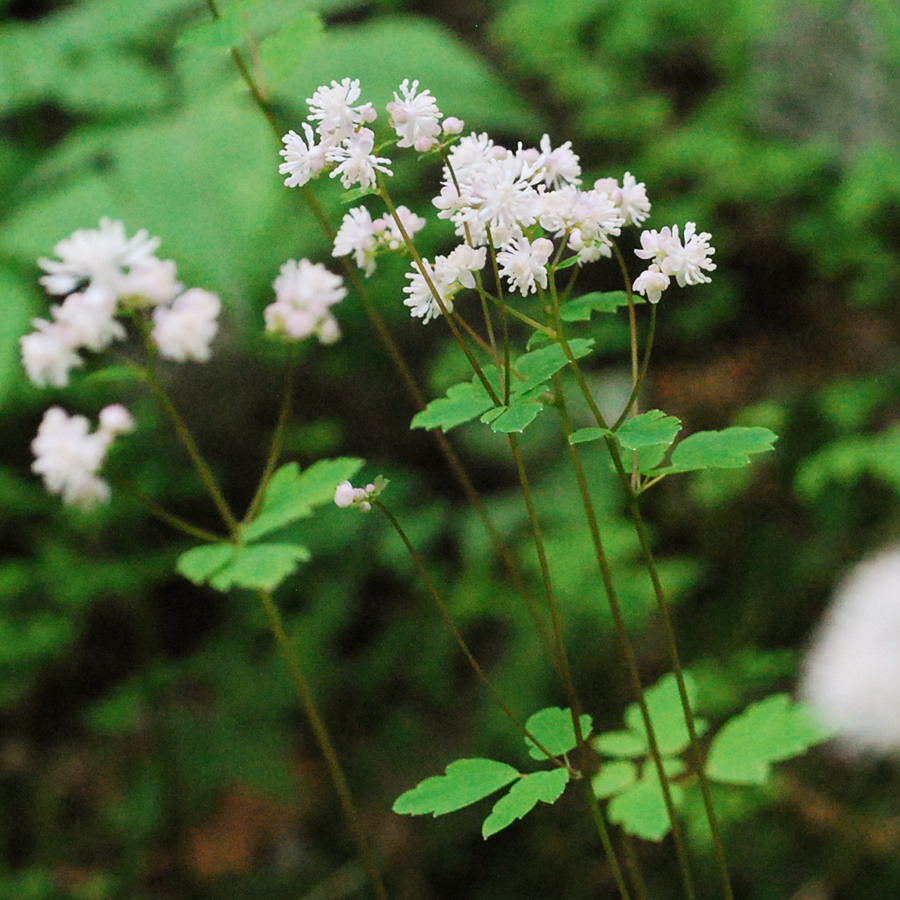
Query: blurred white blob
column 851, row 672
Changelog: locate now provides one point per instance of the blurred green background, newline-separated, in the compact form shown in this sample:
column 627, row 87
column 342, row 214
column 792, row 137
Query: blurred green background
column 150, row 746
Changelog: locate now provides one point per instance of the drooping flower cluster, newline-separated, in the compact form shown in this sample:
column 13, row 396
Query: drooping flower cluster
column 345, row 495
column 304, row 295
column 851, row 672
column 104, row 274
column 364, row 237
column 68, row 455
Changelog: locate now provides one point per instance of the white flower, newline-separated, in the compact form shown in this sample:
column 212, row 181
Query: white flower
column 684, row 261
column 421, row 299
column 388, row 232
column 453, row 126
column 150, row 282
column 460, row 265
column 345, row 495
column 48, row 354
column 523, row 263
column 184, row 330
column 95, row 257
column 356, row 236
column 631, row 199
column 559, row 166
column 416, row 118
column 303, row 159
column 332, row 108
column 356, row 162
column 651, row 283
column 88, row 317
column 851, row 672
column 68, row 456
column 304, row 295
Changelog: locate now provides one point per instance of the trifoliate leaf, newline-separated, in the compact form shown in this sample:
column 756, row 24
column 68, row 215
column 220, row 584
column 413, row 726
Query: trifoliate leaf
column 726, row 449
column 583, row 435
column 463, row 402
column 199, row 563
column 553, row 727
column 523, row 796
column 516, row 417
column 580, row 309
column 648, row 429
column 621, row 743
column 613, row 778
column 466, row 781
column 260, row 566
column 293, row 494
column 641, row 808
column 666, row 714
column 539, row 366
column 766, row 732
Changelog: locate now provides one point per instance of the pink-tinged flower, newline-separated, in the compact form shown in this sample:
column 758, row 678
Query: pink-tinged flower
column 356, row 162
column 88, row 318
column 453, row 126
column 356, row 237
column 686, row 261
column 68, row 456
column 460, row 265
column 304, row 295
column 415, row 117
column 332, row 107
column 651, row 283
column 48, row 354
column 420, row 296
column 560, row 166
column 345, row 495
column 524, row 263
column 303, row 158
column 184, row 330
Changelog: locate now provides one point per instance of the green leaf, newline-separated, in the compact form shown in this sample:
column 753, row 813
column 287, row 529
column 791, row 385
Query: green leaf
column 281, row 53
column 621, row 743
column 538, row 366
column 567, row 263
column 666, row 713
column 726, row 449
column 766, row 732
column 613, row 778
column 293, row 494
column 515, row 417
column 463, row 402
column 259, row 566
column 523, row 796
column 583, row 435
column 466, row 781
column 200, row 563
column 580, row 309
column 648, row 429
column 641, row 808
column 553, row 727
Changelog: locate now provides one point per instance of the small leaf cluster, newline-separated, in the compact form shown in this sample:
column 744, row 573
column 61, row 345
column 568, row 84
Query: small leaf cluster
column 466, row 781
column 741, row 753
column 259, row 560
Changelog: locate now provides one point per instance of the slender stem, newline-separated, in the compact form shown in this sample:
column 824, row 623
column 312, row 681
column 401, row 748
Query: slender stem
column 457, row 634
column 632, row 318
column 669, row 632
column 634, row 868
column 606, row 840
column 176, row 522
column 323, row 739
column 639, row 383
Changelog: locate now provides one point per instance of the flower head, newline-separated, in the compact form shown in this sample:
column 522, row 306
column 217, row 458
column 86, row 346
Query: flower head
column 184, row 330
column 345, row 495
column 415, row 117
column 304, row 295
column 685, row 261
column 357, row 164
column 524, row 263
column 332, row 107
column 303, row 158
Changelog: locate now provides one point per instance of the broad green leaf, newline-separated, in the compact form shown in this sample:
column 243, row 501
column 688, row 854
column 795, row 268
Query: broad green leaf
column 283, row 51
column 621, row 743
column 466, row 781
column 516, row 417
column 666, row 713
column 766, row 732
column 523, row 796
column 259, row 566
column 583, row 435
column 648, row 429
column 726, row 449
column 554, row 729
column 217, row 34
column 613, row 778
column 538, row 366
column 200, row 563
column 463, row 402
column 293, row 494
column 580, row 309
column 641, row 808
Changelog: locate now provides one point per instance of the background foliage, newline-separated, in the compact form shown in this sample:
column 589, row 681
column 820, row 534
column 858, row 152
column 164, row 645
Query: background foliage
column 149, row 743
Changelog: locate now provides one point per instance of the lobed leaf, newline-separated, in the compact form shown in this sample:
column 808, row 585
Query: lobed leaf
column 766, row 732
column 462, row 403
column 465, row 781
column 583, row 435
column 538, row 366
column 515, row 417
column 641, row 808
column 580, row 309
column 259, row 566
column 523, row 796
column 726, row 449
column 293, row 494
column 199, row 563
column 613, row 778
column 553, row 727
column 667, row 715
column 648, row 429
column 621, row 743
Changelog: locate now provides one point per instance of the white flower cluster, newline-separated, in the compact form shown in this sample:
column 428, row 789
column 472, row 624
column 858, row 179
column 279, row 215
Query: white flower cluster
column 684, row 260
column 345, row 495
column 304, row 295
column 364, row 237
column 68, row 455
column 851, row 673
column 103, row 272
